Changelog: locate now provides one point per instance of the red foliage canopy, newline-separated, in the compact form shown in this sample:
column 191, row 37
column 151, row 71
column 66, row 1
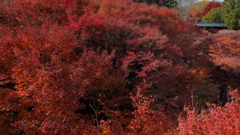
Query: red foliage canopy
column 210, row 6
column 95, row 67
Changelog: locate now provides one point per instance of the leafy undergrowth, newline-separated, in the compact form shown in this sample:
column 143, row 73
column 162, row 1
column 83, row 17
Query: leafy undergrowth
column 217, row 120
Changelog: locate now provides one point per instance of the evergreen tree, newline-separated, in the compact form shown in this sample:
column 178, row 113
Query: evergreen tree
column 213, row 16
column 166, row 3
column 231, row 13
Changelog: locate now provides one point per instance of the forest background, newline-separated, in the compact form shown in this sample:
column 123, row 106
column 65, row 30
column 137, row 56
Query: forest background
column 118, row 67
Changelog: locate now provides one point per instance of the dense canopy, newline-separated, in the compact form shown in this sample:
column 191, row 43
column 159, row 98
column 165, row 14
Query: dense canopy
column 104, row 67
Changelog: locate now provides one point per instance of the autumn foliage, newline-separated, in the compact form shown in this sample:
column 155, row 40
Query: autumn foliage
column 210, row 6
column 216, row 120
column 202, row 8
column 107, row 67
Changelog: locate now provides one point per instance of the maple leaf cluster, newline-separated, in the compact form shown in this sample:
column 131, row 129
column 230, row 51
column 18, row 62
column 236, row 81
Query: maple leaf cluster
column 216, row 120
column 103, row 67
column 201, row 9
column 210, row 6
column 225, row 51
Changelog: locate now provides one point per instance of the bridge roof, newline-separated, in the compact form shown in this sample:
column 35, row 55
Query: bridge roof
column 219, row 25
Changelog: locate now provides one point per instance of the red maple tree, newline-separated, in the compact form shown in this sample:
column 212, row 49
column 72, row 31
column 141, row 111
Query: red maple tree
column 100, row 67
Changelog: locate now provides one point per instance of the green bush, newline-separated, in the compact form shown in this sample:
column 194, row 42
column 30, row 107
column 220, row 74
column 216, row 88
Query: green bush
column 231, row 13
column 213, row 16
